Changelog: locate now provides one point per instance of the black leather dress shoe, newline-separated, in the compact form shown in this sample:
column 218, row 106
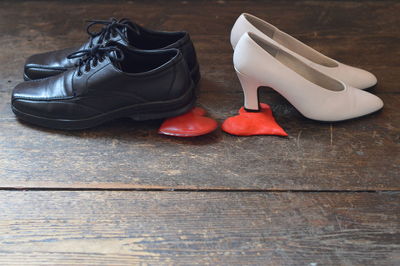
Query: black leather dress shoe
column 123, row 31
column 108, row 83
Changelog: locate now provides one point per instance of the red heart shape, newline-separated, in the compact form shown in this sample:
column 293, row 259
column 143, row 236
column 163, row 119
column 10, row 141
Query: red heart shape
column 191, row 124
column 253, row 123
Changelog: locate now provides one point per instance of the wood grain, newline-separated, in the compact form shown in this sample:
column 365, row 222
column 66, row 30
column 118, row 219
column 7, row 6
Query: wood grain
column 361, row 33
column 167, row 228
column 246, row 226
column 124, row 154
column 363, row 154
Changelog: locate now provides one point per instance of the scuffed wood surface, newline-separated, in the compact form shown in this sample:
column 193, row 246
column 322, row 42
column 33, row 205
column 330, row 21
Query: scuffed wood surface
column 208, row 228
column 362, row 154
column 356, row 155
column 167, row 228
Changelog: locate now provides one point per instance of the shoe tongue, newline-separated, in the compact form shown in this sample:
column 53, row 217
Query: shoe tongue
column 121, row 40
column 125, row 32
column 116, row 63
column 131, row 31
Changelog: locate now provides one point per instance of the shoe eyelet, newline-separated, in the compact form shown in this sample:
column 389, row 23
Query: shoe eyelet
column 79, row 74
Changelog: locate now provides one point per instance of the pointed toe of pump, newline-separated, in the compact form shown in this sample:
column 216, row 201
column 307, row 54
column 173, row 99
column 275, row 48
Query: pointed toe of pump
column 368, row 80
column 366, row 103
column 358, row 78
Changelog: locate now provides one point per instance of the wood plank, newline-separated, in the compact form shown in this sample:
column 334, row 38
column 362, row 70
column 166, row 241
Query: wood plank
column 117, row 228
column 127, row 154
column 328, row 27
column 362, row 154
column 327, row 17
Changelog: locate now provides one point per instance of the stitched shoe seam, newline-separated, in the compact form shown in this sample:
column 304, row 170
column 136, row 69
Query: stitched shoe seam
column 43, row 67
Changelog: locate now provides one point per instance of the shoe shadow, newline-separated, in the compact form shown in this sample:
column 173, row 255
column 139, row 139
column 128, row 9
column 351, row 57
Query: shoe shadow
column 127, row 129
column 220, row 100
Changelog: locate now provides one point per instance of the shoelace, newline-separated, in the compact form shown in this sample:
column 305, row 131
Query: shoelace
column 111, row 27
column 90, row 57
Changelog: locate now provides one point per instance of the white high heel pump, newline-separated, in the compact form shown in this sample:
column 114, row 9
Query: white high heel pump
column 353, row 76
column 314, row 94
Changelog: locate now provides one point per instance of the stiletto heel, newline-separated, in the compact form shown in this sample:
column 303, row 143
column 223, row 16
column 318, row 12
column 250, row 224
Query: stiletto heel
column 250, row 90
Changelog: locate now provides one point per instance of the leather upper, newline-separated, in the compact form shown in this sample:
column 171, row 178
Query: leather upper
column 353, row 76
column 316, row 95
column 52, row 63
column 142, row 77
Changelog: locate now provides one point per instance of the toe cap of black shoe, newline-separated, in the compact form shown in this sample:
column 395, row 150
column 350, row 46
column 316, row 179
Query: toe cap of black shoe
column 27, row 97
column 49, row 98
column 48, row 64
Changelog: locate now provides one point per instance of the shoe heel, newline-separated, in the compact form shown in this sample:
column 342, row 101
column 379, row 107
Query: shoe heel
column 250, row 90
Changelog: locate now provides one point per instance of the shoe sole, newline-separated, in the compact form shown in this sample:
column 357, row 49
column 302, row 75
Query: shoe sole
column 138, row 112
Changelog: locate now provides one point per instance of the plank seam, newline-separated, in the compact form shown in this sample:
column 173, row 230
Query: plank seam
column 199, row 190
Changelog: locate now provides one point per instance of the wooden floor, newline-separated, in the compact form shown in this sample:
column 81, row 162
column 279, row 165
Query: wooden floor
column 329, row 194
